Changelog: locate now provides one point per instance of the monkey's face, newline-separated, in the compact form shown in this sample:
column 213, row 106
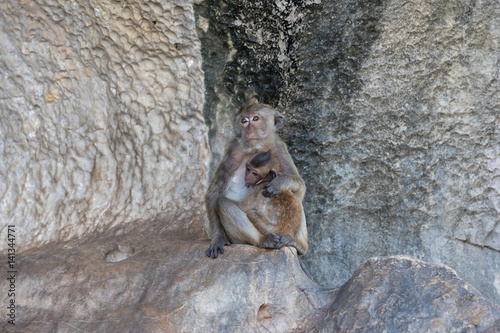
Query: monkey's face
column 253, row 175
column 254, row 127
column 255, row 124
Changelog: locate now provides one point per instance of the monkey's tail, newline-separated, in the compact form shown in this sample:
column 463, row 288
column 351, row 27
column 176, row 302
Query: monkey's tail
column 302, row 265
column 304, row 268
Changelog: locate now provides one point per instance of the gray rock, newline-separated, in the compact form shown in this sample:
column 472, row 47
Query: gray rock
column 101, row 117
column 401, row 294
column 393, row 116
column 139, row 278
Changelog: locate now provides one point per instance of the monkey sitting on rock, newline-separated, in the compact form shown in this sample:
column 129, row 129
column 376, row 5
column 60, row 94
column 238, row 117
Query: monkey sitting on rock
column 278, row 217
column 255, row 128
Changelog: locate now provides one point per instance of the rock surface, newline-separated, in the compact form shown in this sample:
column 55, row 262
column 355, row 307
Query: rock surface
column 101, row 117
column 138, row 278
column 393, row 118
column 401, row 294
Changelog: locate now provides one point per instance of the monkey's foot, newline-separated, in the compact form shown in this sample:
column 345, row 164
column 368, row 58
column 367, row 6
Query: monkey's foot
column 271, row 241
column 285, row 241
column 215, row 247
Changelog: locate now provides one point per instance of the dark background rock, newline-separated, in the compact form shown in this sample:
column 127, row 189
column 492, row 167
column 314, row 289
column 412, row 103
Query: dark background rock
column 393, row 117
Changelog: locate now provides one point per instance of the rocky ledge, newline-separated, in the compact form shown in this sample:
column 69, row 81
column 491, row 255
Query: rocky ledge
column 131, row 281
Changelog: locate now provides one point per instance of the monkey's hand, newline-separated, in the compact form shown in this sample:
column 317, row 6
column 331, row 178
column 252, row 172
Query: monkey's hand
column 216, row 246
column 286, row 240
column 275, row 186
column 271, row 241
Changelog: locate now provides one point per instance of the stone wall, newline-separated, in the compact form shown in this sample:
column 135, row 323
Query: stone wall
column 101, row 117
column 392, row 108
column 393, row 117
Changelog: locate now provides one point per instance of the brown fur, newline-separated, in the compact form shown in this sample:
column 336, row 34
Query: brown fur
column 277, row 218
column 255, row 131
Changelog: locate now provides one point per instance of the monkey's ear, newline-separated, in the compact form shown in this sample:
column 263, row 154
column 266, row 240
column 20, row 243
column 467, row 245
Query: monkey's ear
column 278, row 120
column 271, row 175
column 252, row 101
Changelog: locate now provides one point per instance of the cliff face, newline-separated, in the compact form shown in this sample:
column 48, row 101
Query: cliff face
column 101, row 117
column 108, row 123
column 393, row 117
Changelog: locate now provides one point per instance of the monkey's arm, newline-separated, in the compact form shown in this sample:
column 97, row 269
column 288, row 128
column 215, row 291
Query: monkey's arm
column 215, row 190
column 288, row 178
column 216, row 232
column 285, row 182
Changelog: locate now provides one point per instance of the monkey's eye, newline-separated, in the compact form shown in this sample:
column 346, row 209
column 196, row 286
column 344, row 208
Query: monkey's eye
column 244, row 120
column 248, row 168
column 255, row 118
column 255, row 173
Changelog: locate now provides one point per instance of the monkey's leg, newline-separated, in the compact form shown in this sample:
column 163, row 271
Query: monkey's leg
column 238, row 227
column 288, row 240
column 271, row 239
column 260, row 222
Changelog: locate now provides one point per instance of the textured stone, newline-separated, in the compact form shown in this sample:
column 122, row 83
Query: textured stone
column 400, row 294
column 138, row 277
column 101, row 117
column 393, row 117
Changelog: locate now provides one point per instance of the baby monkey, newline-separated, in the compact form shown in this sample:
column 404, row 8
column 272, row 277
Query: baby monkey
column 279, row 219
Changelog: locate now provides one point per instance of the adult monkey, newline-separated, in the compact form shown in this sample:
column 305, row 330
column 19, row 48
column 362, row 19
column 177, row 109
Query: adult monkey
column 255, row 128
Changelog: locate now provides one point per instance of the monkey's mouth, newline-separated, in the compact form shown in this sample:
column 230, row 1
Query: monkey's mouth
column 253, row 141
